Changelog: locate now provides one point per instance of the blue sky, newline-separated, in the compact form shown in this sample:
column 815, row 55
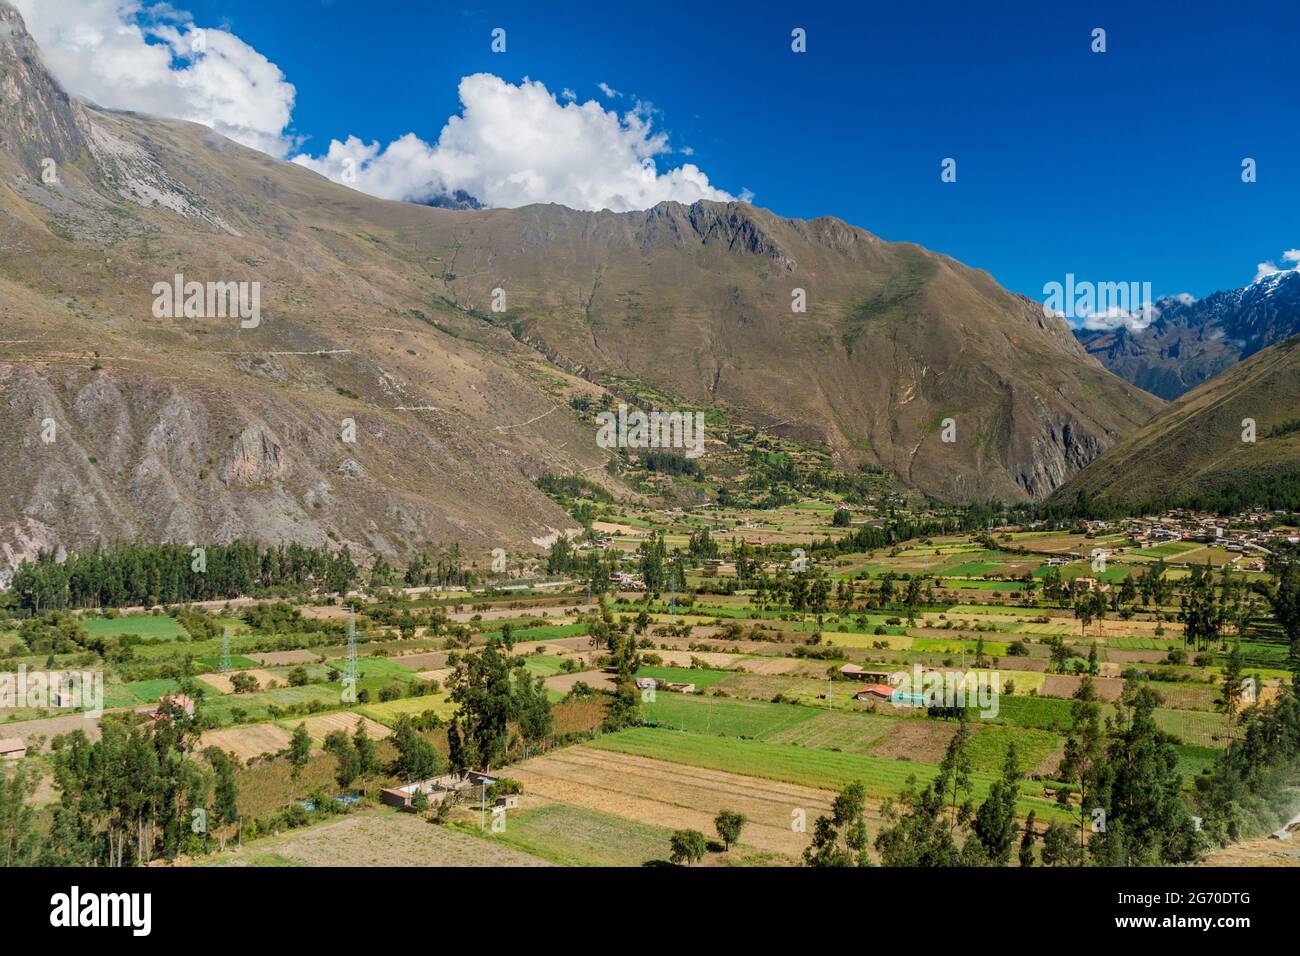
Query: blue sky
column 1122, row 166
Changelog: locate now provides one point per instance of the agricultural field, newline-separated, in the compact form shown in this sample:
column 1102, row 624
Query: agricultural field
column 156, row 626
column 700, row 677
column 322, row 725
column 576, row 836
column 673, row 795
column 390, row 712
column 248, row 740
column 824, row 769
column 753, row 719
column 772, row 730
column 376, row 838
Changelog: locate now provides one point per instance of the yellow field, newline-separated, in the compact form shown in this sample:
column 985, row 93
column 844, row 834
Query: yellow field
column 320, row 726
column 389, row 712
column 252, row 740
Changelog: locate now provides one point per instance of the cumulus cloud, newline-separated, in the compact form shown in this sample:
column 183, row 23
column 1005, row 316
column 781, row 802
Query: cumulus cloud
column 1114, row 318
column 518, row 144
column 1264, row 269
column 151, row 58
column 510, row 146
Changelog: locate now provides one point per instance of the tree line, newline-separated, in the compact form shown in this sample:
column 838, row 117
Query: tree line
column 143, row 574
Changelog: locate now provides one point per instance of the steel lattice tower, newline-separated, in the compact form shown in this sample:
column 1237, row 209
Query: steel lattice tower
column 351, row 670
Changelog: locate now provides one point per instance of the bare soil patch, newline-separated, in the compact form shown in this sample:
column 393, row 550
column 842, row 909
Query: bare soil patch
column 281, row 658
column 252, row 740
column 49, row 728
column 1064, row 685
column 424, row 662
column 597, row 679
column 923, row 740
column 222, row 682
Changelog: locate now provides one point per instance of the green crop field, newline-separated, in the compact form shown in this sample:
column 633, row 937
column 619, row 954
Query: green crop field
column 972, row 569
column 119, row 695
column 552, row 632
column 825, row 769
column 1193, row 761
column 237, row 662
column 969, row 585
column 988, row 747
column 543, row 665
column 574, row 836
column 1044, row 713
column 939, row 645
column 893, row 637
column 1170, row 548
column 1200, row 729
column 720, row 715
column 837, row 730
column 151, row 691
column 257, row 706
column 1142, row 643
column 699, row 676
column 142, row 625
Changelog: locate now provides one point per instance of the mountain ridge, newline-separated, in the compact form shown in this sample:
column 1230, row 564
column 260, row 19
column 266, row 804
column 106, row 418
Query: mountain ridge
column 1189, row 343
column 1233, row 432
column 381, row 313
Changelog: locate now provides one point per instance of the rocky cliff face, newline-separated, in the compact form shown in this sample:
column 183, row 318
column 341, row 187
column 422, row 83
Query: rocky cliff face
column 348, row 416
column 38, row 120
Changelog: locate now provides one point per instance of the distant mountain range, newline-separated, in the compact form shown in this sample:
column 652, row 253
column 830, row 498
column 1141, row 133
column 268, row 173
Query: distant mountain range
column 1227, row 438
column 1190, row 342
column 453, row 340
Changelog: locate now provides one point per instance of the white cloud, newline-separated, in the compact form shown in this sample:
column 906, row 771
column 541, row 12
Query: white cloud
column 608, row 90
column 510, row 146
column 1270, row 268
column 142, row 56
column 1114, row 318
column 515, row 145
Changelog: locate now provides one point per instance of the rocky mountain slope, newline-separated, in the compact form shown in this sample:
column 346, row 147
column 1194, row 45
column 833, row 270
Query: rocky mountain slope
column 124, row 422
column 1200, row 443
column 120, row 425
column 1190, row 342
column 696, row 301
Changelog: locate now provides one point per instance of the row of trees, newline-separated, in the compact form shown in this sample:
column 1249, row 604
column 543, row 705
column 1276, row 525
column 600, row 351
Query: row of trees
column 144, row 574
column 141, row 574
